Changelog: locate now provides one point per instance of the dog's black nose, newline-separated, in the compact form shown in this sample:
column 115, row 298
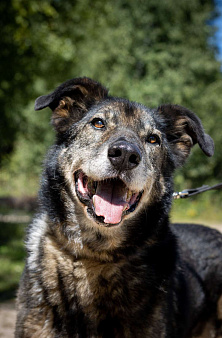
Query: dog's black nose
column 124, row 155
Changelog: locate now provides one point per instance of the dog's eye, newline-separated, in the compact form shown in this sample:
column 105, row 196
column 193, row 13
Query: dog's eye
column 98, row 123
column 153, row 139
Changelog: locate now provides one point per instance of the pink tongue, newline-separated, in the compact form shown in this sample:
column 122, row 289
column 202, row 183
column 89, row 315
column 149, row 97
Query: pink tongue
column 109, row 201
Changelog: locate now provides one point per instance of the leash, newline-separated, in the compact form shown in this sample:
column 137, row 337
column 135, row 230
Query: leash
column 191, row 192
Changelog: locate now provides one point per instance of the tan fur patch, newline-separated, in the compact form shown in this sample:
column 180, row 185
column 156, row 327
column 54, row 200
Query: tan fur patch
column 62, row 111
column 39, row 323
column 219, row 308
column 184, row 144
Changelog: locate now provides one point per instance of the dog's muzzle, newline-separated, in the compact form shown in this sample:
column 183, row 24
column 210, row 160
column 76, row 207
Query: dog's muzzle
column 108, row 200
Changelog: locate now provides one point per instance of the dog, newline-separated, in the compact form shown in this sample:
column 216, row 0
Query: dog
column 103, row 259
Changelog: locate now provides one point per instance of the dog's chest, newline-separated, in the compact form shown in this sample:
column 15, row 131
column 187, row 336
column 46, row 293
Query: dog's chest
column 92, row 284
column 106, row 295
column 101, row 288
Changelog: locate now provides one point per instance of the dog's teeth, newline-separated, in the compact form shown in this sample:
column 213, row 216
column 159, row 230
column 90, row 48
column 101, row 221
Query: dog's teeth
column 93, row 199
column 126, row 207
column 129, row 195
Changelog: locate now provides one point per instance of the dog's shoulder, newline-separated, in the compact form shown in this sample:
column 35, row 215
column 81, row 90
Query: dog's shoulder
column 196, row 236
column 201, row 250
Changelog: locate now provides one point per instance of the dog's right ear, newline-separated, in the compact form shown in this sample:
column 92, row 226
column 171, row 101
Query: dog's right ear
column 71, row 100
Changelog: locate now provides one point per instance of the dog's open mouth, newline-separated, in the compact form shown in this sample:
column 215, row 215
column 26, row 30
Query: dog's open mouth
column 108, row 200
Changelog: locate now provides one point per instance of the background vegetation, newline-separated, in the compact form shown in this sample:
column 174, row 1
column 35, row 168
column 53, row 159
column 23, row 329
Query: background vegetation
column 146, row 50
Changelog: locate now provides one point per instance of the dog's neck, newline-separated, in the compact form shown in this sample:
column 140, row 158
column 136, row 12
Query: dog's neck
column 84, row 239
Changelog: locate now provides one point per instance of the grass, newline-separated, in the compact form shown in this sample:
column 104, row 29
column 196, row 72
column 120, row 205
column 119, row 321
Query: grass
column 206, row 209
column 12, row 255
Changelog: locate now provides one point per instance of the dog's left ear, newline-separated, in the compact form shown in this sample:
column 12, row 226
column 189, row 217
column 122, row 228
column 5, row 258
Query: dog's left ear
column 184, row 129
column 71, row 100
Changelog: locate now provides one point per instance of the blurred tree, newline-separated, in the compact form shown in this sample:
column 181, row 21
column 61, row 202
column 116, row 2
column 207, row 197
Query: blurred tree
column 149, row 51
column 18, row 61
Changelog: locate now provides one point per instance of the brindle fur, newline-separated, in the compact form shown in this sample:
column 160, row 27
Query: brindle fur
column 141, row 278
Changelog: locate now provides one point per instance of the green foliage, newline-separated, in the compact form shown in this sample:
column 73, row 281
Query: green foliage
column 149, row 51
column 203, row 209
column 12, row 255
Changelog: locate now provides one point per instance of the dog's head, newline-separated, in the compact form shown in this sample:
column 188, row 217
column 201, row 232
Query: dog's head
column 117, row 156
